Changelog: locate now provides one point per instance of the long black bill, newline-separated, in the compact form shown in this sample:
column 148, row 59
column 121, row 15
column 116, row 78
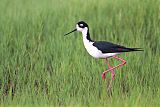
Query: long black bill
column 70, row 32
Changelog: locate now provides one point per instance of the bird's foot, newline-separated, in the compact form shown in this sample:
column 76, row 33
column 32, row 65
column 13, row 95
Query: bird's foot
column 103, row 76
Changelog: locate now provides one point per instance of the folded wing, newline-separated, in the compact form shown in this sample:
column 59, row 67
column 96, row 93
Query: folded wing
column 108, row 47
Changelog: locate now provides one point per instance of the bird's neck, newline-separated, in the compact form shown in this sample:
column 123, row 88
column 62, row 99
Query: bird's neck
column 86, row 35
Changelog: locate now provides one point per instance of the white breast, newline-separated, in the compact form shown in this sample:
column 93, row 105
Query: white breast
column 94, row 52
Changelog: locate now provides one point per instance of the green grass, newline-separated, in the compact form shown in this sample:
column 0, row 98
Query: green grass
column 41, row 67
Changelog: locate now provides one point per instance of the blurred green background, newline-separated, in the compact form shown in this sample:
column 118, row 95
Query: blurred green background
column 41, row 67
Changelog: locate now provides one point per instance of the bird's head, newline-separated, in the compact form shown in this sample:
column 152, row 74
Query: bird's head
column 81, row 26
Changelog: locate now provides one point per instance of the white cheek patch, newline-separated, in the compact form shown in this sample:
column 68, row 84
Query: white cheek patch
column 78, row 28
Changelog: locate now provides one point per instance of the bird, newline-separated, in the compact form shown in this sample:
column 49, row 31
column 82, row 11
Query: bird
column 102, row 49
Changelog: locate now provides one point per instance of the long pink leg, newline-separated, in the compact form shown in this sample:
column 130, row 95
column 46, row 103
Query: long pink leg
column 113, row 75
column 112, row 71
column 123, row 63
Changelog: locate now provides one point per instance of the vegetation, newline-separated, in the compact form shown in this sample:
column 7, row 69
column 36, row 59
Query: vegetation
column 41, row 67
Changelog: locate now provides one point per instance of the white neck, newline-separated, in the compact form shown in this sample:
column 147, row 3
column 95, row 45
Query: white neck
column 84, row 33
column 86, row 36
column 88, row 43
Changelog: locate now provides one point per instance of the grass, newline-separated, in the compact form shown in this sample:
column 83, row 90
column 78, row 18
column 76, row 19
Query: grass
column 41, row 67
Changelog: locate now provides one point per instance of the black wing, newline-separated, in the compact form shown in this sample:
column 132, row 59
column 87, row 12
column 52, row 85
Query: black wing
column 107, row 47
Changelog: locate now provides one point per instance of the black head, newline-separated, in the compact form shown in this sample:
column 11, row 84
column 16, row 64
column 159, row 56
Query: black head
column 80, row 26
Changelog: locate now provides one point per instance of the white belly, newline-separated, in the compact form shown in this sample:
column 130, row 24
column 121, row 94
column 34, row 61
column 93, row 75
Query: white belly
column 94, row 52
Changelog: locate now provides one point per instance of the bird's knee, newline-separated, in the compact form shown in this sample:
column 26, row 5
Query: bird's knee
column 124, row 62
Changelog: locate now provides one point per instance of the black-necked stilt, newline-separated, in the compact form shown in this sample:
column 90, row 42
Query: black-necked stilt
column 102, row 49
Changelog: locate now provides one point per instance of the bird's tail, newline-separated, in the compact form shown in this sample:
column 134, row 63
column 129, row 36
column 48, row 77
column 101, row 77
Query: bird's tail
column 135, row 49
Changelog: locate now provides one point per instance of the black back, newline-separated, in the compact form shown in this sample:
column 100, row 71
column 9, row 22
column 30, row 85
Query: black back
column 108, row 47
